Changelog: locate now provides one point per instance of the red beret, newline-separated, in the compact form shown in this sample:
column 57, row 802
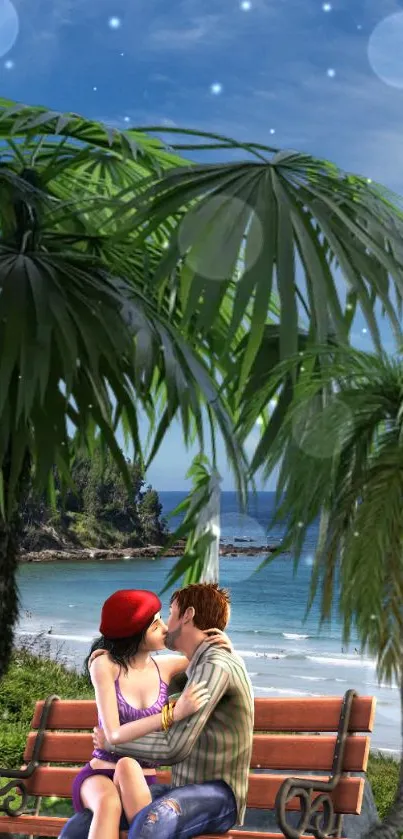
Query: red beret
column 128, row 612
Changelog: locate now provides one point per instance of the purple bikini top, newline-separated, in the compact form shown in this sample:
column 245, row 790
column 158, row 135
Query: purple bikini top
column 129, row 714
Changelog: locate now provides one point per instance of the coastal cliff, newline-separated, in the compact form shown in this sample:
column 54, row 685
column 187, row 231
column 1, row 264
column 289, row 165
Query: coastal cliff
column 99, row 514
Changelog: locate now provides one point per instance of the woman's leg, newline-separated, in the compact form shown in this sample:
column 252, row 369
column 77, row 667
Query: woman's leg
column 100, row 795
column 133, row 788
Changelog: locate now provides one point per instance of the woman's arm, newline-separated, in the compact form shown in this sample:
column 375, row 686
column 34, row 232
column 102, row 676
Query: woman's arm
column 102, row 673
column 136, row 729
column 171, row 665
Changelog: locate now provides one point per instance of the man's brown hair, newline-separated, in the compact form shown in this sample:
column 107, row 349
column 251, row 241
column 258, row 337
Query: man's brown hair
column 210, row 602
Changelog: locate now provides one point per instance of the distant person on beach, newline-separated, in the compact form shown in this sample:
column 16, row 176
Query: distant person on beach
column 209, row 756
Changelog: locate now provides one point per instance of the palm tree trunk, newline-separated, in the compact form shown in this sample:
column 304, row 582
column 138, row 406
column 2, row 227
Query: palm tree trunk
column 209, row 522
column 392, row 825
column 9, row 602
column 10, row 532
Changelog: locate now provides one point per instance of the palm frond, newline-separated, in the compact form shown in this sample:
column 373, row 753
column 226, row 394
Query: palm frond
column 19, row 120
column 341, row 458
column 191, row 565
column 263, row 214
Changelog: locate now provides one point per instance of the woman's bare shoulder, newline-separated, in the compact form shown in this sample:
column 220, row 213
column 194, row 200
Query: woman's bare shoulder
column 103, row 663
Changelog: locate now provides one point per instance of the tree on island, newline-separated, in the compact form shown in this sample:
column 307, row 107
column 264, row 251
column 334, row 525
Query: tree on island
column 135, row 282
column 150, row 511
column 106, row 500
column 98, row 512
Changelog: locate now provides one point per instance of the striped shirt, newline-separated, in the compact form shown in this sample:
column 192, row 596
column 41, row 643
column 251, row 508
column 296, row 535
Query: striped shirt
column 216, row 743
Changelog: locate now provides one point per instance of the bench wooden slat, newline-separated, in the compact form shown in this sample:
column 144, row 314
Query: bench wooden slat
column 269, row 751
column 305, row 714
column 347, row 798
column 52, row 826
column 32, row 825
column 313, row 714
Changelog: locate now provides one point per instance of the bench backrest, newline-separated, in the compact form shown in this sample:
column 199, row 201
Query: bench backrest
column 67, row 740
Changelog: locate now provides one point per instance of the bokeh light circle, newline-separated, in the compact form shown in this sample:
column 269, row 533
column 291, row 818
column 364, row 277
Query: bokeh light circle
column 322, row 436
column 385, row 50
column 210, row 234
column 9, row 26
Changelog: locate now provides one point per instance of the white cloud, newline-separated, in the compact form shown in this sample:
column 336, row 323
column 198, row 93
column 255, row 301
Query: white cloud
column 184, row 37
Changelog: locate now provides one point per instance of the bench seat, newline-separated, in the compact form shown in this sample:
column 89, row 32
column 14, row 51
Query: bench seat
column 329, row 743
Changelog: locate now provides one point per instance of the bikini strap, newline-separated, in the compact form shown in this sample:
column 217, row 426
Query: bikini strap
column 159, row 672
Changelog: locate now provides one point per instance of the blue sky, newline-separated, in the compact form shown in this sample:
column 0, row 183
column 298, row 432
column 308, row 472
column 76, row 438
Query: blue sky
column 324, row 78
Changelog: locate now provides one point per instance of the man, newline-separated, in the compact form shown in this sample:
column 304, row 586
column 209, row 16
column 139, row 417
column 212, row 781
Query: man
column 210, row 751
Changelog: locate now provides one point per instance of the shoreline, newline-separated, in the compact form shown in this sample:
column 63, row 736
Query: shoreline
column 145, row 552
column 71, row 663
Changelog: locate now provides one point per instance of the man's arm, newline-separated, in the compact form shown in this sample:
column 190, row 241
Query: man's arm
column 175, row 745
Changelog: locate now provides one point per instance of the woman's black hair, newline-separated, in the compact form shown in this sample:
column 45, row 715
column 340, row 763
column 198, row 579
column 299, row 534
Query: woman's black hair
column 121, row 650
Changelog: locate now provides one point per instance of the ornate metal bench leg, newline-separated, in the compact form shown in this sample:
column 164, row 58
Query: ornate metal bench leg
column 326, row 823
column 19, row 775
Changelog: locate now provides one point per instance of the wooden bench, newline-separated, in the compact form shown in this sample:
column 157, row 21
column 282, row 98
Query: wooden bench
column 61, row 734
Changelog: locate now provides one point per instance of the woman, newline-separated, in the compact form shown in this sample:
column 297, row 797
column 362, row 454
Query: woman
column 131, row 690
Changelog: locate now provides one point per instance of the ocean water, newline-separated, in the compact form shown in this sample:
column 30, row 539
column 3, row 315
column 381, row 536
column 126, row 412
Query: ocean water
column 284, row 655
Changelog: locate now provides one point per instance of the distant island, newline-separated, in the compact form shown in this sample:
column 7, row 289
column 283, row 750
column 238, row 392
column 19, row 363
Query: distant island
column 98, row 513
column 146, row 551
column 100, row 520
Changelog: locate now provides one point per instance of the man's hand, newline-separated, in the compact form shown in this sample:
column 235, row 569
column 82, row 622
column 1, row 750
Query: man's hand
column 194, row 697
column 98, row 737
column 94, row 655
column 215, row 636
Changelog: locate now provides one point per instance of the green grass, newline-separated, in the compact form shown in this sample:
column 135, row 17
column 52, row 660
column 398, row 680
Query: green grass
column 383, row 773
column 34, row 675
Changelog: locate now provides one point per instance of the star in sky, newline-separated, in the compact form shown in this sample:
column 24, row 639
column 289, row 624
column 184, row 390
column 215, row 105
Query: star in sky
column 114, row 22
column 216, row 88
column 327, row 7
column 331, row 73
column 246, row 5
column 9, row 65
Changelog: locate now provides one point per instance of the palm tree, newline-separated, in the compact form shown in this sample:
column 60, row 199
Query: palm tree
column 183, row 261
column 86, row 347
column 340, row 452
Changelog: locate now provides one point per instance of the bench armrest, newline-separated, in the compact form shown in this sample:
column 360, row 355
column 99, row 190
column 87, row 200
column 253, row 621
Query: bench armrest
column 19, row 775
column 15, row 787
column 324, row 823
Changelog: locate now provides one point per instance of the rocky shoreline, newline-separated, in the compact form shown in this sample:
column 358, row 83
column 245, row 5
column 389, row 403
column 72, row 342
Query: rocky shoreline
column 148, row 551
